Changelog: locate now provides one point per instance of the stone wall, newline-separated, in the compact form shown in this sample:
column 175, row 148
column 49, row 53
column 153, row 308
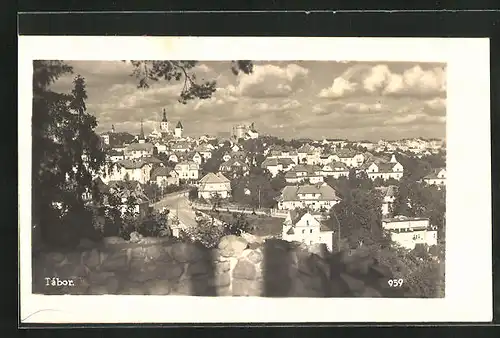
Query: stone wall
column 236, row 268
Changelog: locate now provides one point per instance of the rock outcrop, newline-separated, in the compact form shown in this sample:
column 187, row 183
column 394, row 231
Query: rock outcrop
column 144, row 266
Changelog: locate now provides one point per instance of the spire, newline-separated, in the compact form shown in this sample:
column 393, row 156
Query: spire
column 179, row 125
column 164, row 116
column 141, row 136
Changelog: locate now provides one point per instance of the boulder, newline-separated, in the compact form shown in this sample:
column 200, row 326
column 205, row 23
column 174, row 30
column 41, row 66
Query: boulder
column 255, row 256
column 91, row 258
column 118, row 261
column 244, row 270
column 232, row 246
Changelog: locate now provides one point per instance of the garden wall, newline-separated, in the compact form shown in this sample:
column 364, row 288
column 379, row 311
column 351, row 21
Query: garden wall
column 236, row 268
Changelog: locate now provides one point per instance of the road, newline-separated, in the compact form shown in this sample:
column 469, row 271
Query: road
column 178, row 204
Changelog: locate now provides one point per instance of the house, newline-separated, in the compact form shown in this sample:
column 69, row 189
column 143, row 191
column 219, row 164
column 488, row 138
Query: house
column 214, row 184
column 335, row 169
column 304, row 151
column 188, row 170
column 160, row 147
column 164, row 176
column 235, row 148
column 138, row 150
column 173, row 158
column 315, row 197
column 436, row 177
column 275, row 165
column 115, row 156
column 279, row 152
column 304, row 172
column 307, row 227
column 180, row 147
column 127, row 192
column 350, row 157
column 133, row 170
column 378, row 168
column 204, row 150
column 388, row 198
column 410, row 231
column 235, row 167
column 195, row 157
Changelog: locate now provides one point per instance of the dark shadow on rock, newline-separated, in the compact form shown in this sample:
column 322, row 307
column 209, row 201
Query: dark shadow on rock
column 277, row 264
column 200, row 270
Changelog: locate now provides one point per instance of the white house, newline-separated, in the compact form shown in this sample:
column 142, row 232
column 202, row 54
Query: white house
column 204, row 150
column 385, row 170
column 275, row 165
column 436, row 177
column 196, row 157
column 173, row 158
column 180, row 147
column 115, row 156
column 303, row 172
column 214, row 184
column 335, row 169
column 284, row 153
column 408, row 232
column 162, row 148
column 350, row 157
column 133, row 170
column 308, row 228
column 188, row 170
column 163, row 177
column 315, row 197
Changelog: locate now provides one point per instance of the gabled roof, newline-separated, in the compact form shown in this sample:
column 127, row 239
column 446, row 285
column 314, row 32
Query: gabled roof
column 211, row 178
column 337, row 166
column 389, row 191
column 179, row 125
column 327, row 193
column 434, row 174
column 132, row 164
column 160, row 171
column 345, row 153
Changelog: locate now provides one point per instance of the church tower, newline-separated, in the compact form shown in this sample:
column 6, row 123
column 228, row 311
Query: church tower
column 142, row 139
column 164, row 122
column 178, row 129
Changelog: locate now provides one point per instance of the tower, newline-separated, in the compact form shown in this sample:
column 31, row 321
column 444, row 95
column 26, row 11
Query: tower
column 142, row 139
column 113, row 128
column 178, row 129
column 164, row 122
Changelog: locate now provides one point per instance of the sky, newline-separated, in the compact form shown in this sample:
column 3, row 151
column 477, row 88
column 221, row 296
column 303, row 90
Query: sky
column 289, row 99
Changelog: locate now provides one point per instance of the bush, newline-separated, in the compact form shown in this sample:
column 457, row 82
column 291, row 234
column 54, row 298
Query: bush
column 206, row 232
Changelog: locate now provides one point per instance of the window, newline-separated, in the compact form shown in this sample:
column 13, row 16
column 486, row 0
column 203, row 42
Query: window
column 311, row 231
column 307, row 222
column 303, row 231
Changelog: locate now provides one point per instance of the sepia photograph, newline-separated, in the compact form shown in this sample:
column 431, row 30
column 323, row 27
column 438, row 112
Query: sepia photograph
column 263, row 178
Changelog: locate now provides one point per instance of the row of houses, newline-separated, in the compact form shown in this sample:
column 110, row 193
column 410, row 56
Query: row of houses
column 314, row 173
column 312, row 227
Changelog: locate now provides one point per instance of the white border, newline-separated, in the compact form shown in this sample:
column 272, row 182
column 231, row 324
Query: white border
column 469, row 261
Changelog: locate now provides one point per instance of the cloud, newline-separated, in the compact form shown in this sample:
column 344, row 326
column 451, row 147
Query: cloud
column 340, row 87
column 380, row 80
column 267, row 81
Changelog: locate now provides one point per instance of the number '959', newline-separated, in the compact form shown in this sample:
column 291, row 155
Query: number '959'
column 395, row 283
